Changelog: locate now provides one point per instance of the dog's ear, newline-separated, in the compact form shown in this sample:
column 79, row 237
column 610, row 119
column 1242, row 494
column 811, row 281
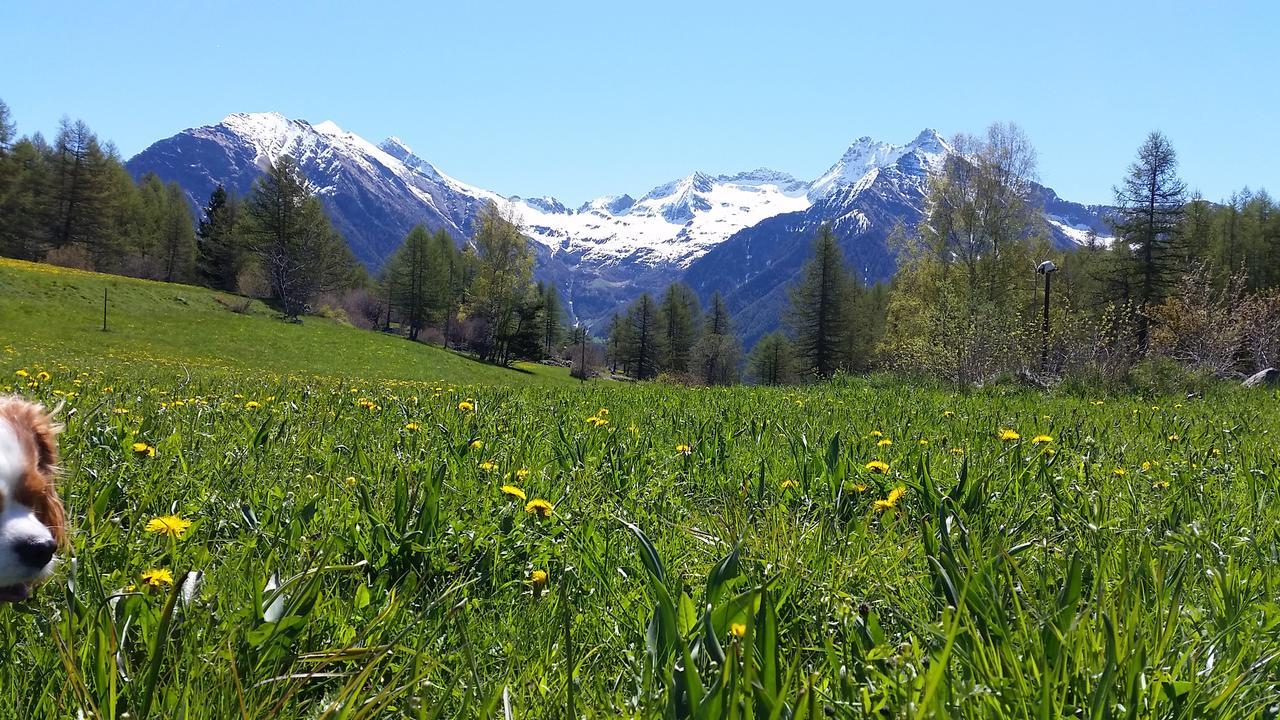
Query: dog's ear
column 39, row 487
column 49, row 505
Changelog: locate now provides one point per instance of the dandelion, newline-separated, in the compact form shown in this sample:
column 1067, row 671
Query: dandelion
column 892, row 501
column 684, row 449
column 121, row 411
column 350, row 481
column 1160, row 485
column 878, row 466
column 513, row 491
column 538, row 579
column 1041, row 439
column 859, row 487
column 876, row 433
column 738, row 629
column 142, row 449
column 1119, row 472
column 1146, row 466
column 252, row 405
column 1174, row 438
column 603, row 412
column 157, row 578
column 539, row 507
column 43, row 376
column 412, row 427
column 1098, row 402
column 958, row 452
column 488, row 465
column 477, row 444
column 886, row 442
column 522, row 473
column 947, row 414
column 171, row 525
column 22, row 373
column 789, row 483
column 1007, row 435
column 466, row 406
column 924, row 442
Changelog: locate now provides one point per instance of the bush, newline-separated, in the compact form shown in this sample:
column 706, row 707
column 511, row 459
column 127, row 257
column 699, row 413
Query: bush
column 1158, row 376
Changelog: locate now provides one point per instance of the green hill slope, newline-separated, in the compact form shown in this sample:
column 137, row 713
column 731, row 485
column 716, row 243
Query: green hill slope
column 57, row 312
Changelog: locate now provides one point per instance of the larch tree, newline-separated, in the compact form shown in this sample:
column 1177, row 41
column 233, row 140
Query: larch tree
column 818, row 314
column 718, row 353
column 643, row 350
column 772, row 360
column 678, row 318
column 413, row 280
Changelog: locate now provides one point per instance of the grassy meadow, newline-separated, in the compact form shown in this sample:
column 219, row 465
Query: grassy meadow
column 312, row 521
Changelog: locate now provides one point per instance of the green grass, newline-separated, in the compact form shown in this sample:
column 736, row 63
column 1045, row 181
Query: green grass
column 44, row 307
column 359, row 558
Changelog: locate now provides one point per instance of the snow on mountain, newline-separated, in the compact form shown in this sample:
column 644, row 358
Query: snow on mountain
column 860, row 163
column 746, row 233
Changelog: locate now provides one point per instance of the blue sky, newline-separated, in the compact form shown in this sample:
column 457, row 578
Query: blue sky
column 583, row 99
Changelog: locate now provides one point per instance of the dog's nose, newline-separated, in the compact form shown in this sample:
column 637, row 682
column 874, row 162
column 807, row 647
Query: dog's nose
column 35, row 553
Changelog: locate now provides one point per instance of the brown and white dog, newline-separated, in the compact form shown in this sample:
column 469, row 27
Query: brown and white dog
column 31, row 518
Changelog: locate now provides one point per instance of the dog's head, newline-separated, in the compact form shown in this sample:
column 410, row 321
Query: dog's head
column 31, row 519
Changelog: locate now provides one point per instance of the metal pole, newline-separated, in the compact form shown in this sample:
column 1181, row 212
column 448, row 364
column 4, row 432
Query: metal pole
column 1044, row 350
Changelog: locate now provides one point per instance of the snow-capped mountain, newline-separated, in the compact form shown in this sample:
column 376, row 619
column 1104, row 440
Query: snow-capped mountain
column 744, row 234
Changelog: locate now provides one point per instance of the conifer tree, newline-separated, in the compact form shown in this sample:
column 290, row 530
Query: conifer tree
column 552, row 317
column 1149, row 207
column 819, row 312
column 678, row 318
column 718, row 352
column 643, row 336
column 503, row 278
column 413, row 281
column 772, row 360
column 220, row 251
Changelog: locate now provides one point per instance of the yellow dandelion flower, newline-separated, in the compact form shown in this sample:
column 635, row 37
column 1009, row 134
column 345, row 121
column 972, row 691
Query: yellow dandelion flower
column 947, row 414
column 350, row 481
column 1146, row 466
column 1160, row 484
column 892, row 501
column 603, row 412
column 22, row 373
column 539, row 507
column 465, row 406
column 1007, row 435
column 886, row 442
column 876, row 433
column 252, row 405
column 412, row 427
column 1119, row 472
column 170, row 525
column 522, row 473
column 142, row 449
column 738, row 629
column 859, row 487
column 1174, row 437
column 514, row 491
column 684, row 449
column 877, row 466
column 1041, row 439
column 121, row 411
column 43, row 376
column 924, row 442
column 488, row 465
column 538, row 579
column 157, row 578
column 789, row 483
column 476, row 444
column 958, row 452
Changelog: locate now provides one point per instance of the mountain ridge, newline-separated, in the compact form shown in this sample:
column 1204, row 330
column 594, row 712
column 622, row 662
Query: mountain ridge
column 724, row 232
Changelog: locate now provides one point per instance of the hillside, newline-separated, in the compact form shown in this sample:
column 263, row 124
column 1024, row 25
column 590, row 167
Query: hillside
column 57, row 312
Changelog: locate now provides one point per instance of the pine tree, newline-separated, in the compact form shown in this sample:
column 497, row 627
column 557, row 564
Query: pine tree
column 819, row 308
column 678, row 318
column 772, row 360
column 552, row 317
column 300, row 252
column 76, row 201
column 643, row 335
column 24, row 183
column 177, row 236
column 8, row 131
column 1149, row 207
column 718, row 352
column 413, row 280
column 220, row 250
column 619, row 341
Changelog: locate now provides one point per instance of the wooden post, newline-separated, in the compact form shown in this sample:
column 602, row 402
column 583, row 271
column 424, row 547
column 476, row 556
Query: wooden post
column 104, row 309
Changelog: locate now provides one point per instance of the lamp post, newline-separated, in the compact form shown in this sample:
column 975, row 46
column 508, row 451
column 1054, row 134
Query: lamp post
column 1047, row 269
